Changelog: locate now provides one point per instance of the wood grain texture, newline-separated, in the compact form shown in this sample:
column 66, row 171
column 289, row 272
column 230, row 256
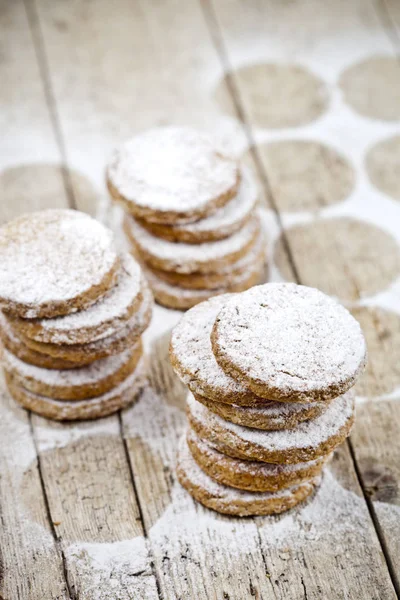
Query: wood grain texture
column 30, row 561
column 232, row 21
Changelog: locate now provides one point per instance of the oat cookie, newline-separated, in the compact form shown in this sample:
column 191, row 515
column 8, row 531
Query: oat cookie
column 194, row 362
column 81, row 383
column 13, row 344
column 249, row 475
column 171, row 175
column 112, row 344
column 105, row 317
column 191, row 258
column 223, row 223
column 269, row 416
column 100, row 406
column 55, row 262
column 253, row 261
column 308, row 441
column 178, row 298
column 231, row 501
column 289, row 342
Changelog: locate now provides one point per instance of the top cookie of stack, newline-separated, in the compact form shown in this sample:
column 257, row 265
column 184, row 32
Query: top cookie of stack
column 73, row 314
column 270, row 371
column 191, row 215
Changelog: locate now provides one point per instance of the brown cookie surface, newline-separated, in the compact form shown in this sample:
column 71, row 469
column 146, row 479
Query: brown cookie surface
column 231, row 501
column 252, row 476
column 171, row 175
column 55, row 262
column 308, row 441
column 289, row 342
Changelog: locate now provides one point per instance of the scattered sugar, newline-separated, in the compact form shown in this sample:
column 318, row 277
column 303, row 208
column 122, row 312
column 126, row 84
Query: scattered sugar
column 292, row 338
column 53, row 256
column 187, row 258
column 53, row 435
column 105, row 571
column 171, row 169
column 309, row 434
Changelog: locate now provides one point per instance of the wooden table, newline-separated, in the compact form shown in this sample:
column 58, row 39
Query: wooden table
column 309, row 92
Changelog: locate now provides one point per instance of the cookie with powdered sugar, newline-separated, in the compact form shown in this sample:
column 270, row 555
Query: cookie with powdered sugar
column 107, row 346
column 232, row 501
column 118, row 398
column 105, row 317
column 74, row 384
column 254, row 260
column 250, row 475
column 194, row 362
column 171, row 175
column 223, row 223
column 14, row 344
column 55, row 262
column 269, row 415
column 184, row 258
column 288, row 342
column 308, row 441
column 173, row 296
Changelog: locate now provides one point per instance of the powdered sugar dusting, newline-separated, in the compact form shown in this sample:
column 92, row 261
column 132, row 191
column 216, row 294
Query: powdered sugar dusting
column 187, row 258
column 225, row 218
column 193, row 356
column 292, row 339
column 171, row 169
column 104, row 571
column 53, row 256
column 199, row 478
column 95, row 372
column 309, row 434
column 108, row 314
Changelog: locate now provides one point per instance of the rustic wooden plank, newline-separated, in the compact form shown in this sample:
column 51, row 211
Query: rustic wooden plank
column 31, row 564
column 97, row 46
column 269, row 35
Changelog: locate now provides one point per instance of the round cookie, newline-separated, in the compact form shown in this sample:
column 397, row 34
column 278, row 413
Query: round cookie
column 178, row 298
column 269, row 416
column 100, row 406
column 248, row 475
column 223, row 223
column 112, row 344
column 191, row 258
column 253, row 260
column 55, row 262
column 14, row 345
column 193, row 360
column 171, row 175
column 289, row 342
column 77, row 384
column 231, row 501
column 105, row 317
column 308, row 441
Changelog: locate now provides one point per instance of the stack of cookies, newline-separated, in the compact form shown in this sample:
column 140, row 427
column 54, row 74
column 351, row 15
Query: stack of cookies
column 73, row 311
column 191, row 215
column 270, row 372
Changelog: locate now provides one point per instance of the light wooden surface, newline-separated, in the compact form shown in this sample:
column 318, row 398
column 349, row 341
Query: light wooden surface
column 93, row 511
